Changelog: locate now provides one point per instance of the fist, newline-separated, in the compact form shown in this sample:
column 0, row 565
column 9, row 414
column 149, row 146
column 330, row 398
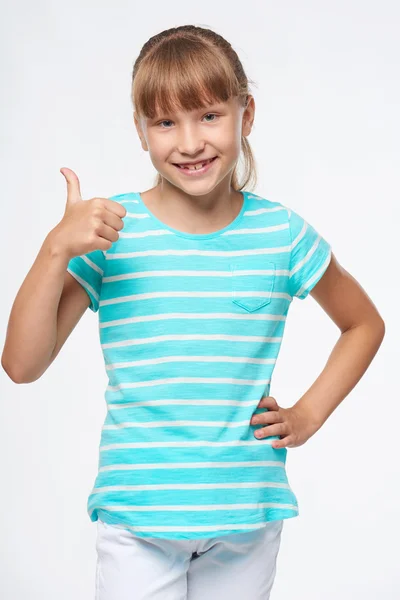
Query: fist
column 87, row 225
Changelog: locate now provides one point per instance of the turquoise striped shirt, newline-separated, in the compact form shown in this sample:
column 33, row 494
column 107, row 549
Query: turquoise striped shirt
column 190, row 328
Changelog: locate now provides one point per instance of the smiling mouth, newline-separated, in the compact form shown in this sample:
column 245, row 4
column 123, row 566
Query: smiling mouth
column 196, row 166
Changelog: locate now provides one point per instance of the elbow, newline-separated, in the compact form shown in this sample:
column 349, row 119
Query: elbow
column 381, row 328
column 377, row 330
column 381, row 332
column 15, row 374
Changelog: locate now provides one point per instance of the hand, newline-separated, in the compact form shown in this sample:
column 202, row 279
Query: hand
column 87, row 225
column 293, row 425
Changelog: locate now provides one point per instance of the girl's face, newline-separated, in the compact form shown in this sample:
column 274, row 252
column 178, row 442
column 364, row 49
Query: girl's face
column 195, row 136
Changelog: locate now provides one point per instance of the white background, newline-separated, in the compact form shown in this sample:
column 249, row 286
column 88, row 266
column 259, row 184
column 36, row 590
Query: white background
column 326, row 140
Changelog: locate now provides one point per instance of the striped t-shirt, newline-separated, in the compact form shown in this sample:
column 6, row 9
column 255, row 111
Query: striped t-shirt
column 190, row 327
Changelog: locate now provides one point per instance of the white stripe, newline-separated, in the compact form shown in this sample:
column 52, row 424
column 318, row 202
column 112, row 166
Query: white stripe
column 193, row 465
column 252, row 230
column 92, row 264
column 84, row 283
column 137, row 215
column 186, row 380
column 174, row 252
column 156, row 232
column 307, row 257
column 195, row 294
column 260, row 211
column 194, row 336
column 181, row 423
column 316, row 275
column 185, row 358
column 300, row 235
column 195, row 507
column 168, row 316
column 143, row 234
column 185, row 444
column 190, row 486
column 193, row 402
column 193, row 273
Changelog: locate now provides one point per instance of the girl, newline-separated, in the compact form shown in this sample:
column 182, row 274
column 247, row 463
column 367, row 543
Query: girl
column 193, row 280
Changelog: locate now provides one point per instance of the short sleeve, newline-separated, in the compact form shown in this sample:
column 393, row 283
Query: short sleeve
column 309, row 258
column 88, row 271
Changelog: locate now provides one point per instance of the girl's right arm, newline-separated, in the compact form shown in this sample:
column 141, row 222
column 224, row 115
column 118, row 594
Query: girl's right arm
column 50, row 301
column 46, row 309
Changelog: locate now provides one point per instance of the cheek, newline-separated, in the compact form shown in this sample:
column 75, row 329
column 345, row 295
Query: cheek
column 230, row 138
column 230, row 144
column 158, row 144
column 157, row 151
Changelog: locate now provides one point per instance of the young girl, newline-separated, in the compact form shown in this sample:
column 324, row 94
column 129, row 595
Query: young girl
column 193, row 280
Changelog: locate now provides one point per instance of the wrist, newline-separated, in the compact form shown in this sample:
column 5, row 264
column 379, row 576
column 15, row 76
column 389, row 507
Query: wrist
column 55, row 247
column 309, row 414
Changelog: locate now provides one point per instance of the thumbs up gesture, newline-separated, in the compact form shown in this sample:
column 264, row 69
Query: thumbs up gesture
column 87, row 225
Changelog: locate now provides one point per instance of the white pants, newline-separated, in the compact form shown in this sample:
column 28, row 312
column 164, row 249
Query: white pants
column 235, row 566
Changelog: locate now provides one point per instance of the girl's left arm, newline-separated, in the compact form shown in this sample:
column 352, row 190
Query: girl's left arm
column 362, row 331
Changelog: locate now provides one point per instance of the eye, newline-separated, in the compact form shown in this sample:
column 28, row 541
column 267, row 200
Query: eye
column 165, row 121
column 211, row 115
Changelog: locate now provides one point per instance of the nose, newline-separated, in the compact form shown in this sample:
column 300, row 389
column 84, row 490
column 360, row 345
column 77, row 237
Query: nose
column 189, row 142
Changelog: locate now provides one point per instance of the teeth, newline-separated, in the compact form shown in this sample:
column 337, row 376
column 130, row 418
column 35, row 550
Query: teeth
column 196, row 167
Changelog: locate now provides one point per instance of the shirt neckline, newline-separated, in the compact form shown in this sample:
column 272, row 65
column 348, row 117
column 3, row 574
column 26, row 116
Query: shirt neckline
column 197, row 236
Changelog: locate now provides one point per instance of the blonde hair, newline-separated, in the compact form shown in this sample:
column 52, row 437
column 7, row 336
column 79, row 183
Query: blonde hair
column 186, row 68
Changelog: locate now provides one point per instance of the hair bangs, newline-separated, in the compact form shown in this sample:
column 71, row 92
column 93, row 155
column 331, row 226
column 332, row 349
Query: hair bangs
column 182, row 77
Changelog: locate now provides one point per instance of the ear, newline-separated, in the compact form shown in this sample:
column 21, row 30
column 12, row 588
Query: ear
column 140, row 132
column 248, row 116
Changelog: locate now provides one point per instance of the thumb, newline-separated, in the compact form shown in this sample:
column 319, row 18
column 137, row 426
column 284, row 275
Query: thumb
column 73, row 187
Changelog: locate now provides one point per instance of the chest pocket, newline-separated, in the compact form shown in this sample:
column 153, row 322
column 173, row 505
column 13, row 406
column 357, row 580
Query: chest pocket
column 252, row 288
